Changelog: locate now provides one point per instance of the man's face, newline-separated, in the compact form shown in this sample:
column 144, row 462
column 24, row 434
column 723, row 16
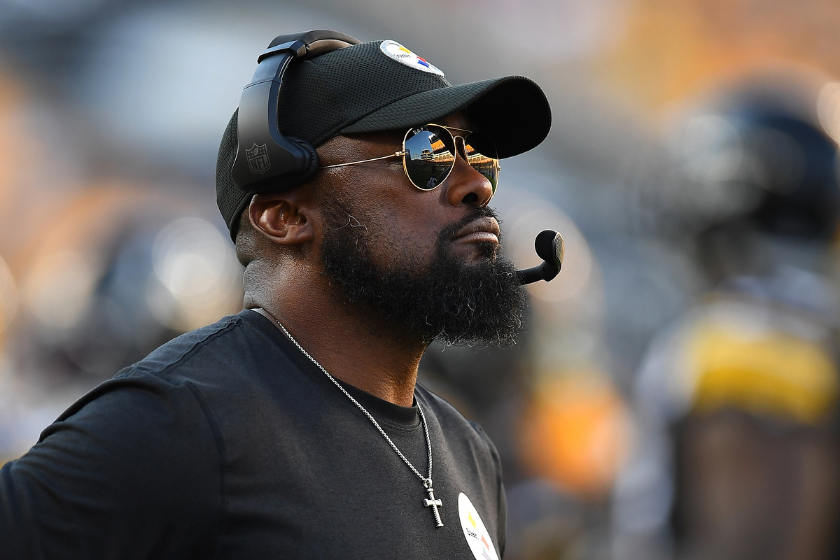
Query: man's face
column 426, row 259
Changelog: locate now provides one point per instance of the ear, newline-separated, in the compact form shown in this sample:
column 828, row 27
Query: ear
column 284, row 218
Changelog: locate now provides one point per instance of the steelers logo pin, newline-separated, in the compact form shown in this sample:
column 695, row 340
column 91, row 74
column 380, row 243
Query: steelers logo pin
column 475, row 532
column 395, row 51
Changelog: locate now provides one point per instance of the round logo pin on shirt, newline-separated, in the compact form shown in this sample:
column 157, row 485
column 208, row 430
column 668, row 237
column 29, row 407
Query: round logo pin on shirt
column 474, row 530
column 395, row 51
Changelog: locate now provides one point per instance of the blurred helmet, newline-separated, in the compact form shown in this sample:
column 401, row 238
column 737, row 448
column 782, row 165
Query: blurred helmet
column 792, row 166
column 761, row 159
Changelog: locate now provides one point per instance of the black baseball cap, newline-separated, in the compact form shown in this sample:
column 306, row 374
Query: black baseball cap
column 382, row 86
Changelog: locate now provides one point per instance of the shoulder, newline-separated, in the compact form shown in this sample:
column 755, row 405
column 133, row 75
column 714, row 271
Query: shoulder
column 199, row 377
column 231, row 351
column 454, row 425
column 148, row 432
column 219, row 343
column 162, row 370
column 441, row 407
column 174, row 385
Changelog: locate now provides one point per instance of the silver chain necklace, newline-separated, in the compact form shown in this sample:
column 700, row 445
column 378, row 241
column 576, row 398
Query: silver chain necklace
column 427, row 480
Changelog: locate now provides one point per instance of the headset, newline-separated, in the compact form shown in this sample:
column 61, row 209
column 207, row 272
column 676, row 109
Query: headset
column 264, row 157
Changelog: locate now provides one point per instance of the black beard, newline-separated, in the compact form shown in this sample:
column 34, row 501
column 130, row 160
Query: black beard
column 446, row 300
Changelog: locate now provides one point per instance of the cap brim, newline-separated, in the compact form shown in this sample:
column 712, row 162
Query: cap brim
column 513, row 110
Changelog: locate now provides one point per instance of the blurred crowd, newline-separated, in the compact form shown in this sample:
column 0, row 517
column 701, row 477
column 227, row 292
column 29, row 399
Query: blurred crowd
column 676, row 392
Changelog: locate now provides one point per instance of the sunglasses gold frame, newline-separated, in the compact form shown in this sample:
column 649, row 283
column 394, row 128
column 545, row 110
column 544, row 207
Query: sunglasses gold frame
column 459, row 151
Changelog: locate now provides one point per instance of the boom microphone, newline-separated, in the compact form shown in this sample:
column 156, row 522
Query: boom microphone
column 549, row 246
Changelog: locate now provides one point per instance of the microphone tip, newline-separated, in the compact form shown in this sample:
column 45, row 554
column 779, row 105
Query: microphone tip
column 550, row 247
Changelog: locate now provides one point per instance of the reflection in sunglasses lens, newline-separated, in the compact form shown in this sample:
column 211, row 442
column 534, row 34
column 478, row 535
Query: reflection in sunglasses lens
column 430, row 156
column 427, row 159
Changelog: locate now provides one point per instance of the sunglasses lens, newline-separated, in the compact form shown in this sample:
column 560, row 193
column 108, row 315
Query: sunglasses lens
column 481, row 155
column 430, row 155
column 428, row 160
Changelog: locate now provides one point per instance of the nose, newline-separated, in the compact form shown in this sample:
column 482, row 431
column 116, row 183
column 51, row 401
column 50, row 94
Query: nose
column 465, row 184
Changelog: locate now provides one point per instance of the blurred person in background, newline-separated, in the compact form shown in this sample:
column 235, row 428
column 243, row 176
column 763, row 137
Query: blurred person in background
column 736, row 404
column 89, row 280
column 117, row 272
column 296, row 428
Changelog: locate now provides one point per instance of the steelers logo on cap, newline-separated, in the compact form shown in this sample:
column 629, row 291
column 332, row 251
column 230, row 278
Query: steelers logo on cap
column 395, row 51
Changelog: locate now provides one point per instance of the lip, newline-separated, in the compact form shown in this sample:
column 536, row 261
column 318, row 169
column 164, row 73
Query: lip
column 482, row 229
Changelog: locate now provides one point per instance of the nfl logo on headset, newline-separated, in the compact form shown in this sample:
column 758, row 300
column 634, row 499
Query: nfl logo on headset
column 258, row 161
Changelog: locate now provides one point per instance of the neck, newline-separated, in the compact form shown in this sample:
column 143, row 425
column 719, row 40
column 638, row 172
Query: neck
column 353, row 346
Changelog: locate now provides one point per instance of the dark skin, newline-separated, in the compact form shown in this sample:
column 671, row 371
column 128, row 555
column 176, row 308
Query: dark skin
column 284, row 281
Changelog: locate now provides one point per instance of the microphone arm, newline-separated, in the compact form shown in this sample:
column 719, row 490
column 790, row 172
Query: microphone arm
column 549, row 246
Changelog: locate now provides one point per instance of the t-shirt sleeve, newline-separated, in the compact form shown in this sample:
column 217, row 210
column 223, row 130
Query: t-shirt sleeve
column 132, row 470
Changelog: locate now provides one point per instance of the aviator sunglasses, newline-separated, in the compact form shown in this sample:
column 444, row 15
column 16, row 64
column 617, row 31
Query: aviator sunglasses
column 428, row 154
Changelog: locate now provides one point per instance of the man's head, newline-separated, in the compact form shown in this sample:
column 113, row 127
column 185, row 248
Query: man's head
column 378, row 86
column 425, row 258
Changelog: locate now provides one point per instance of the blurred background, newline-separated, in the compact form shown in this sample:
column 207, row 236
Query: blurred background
column 675, row 395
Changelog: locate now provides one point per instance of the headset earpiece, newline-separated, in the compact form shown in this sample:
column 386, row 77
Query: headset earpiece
column 265, row 159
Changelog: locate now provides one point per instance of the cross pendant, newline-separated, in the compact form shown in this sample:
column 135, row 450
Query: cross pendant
column 434, row 504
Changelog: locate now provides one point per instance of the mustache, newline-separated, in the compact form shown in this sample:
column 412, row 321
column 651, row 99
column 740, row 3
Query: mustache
column 484, row 212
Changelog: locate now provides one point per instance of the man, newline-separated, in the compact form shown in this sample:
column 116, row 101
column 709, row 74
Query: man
column 296, row 429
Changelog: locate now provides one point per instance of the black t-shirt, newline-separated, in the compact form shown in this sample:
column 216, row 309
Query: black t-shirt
column 226, row 443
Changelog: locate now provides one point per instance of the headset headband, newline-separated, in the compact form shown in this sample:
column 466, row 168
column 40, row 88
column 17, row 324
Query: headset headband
column 264, row 156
